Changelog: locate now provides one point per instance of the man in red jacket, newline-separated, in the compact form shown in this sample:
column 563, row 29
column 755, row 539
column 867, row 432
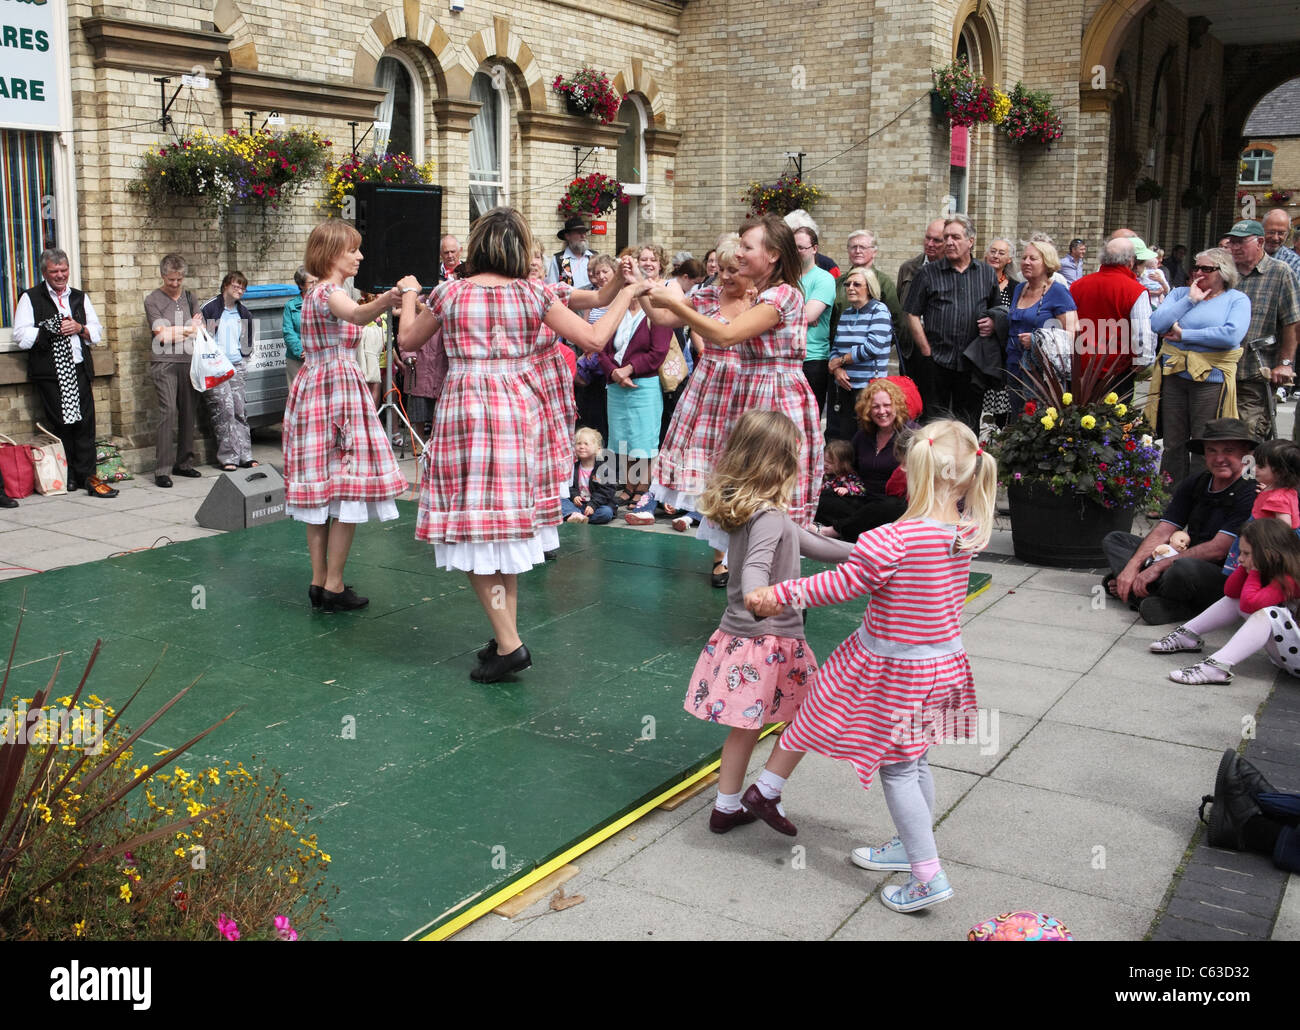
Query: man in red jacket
column 1114, row 317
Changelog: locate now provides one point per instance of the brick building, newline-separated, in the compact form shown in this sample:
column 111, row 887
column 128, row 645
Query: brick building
column 717, row 95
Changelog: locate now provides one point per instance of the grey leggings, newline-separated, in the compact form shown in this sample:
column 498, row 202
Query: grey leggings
column 909, row 793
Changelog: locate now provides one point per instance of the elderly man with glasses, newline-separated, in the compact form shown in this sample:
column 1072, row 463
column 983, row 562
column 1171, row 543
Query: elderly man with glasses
column 1269, row 358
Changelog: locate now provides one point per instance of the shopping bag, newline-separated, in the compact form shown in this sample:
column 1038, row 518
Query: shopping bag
column 16, row 468
column 50, row 464
column 209, row 366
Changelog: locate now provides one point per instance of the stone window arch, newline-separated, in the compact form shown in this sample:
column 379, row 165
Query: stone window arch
column 489, row 141
column 403, row 108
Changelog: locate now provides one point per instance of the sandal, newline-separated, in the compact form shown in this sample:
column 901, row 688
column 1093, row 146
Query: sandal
column 1208, row 671
column 1110, row 583
column 249, row 464
column 1176, row 641
column 229, row 468
column 719, row 579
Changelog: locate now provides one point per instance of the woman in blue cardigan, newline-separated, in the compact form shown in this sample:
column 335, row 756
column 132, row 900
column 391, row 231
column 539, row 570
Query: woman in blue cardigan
column 1203, row 326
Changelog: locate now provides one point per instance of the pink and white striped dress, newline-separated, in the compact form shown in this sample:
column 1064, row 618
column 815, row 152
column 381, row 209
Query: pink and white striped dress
column 902, row 681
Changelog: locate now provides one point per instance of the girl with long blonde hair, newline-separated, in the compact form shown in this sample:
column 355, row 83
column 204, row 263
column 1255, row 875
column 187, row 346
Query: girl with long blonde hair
column 902, row 681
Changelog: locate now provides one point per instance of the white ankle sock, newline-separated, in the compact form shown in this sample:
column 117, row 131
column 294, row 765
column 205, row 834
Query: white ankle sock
column 727, row 803
column 769, row 784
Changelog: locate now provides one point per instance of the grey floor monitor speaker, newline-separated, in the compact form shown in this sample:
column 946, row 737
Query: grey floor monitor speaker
column 248, row 497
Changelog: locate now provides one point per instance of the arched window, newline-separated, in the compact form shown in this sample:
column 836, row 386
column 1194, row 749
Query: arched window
column 489, row 145
column 631, row 221
column 1256, row 167
column 401, row 110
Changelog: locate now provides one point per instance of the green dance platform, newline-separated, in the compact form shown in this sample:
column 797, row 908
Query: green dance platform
column 431, row 792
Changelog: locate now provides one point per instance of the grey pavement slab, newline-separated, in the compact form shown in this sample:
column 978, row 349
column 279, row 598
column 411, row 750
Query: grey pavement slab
column 1009, row 686
column 1108, row 767
column 1103, row 849
column 1050, row 647
column 1159, row 708
column 980, row 894
column 1287, row 927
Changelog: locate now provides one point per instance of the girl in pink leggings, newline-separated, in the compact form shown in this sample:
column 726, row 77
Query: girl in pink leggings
column 1262, row 590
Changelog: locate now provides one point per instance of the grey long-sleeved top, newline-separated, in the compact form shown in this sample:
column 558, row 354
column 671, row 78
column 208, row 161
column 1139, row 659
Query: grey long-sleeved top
column 764, row 551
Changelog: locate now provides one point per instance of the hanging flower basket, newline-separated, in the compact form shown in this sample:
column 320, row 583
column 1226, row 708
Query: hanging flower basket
column 1148, row 190
column 1193, row 199
column 588, row 92
column 1278, row 198
column 1030, row 118
column 341, row 179
column 965, row 97
column 591, row 195
column 788, row 193
column 262, row 169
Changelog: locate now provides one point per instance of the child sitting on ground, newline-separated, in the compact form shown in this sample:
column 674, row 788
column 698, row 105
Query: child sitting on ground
column 591, row 491
column 1262, row 590
column 841, row 478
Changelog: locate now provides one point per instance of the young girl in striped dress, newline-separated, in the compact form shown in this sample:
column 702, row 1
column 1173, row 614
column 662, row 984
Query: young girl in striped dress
column 902, row 681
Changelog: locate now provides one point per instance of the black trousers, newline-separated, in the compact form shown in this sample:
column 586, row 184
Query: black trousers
column 78, row 437
column 956, row 396
column 852, row 516
column 1190, row 585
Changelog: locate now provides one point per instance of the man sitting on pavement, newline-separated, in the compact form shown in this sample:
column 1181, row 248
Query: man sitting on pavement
column 1211, row 507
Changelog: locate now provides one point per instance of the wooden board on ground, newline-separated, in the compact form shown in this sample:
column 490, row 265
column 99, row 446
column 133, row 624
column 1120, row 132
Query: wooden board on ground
column 532, row 895
column 683, row 796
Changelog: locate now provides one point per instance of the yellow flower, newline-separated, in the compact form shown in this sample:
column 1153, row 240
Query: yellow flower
column 124, row 892
column 79, row 929
column 1051, row 413
column 1120, row 410
column 324, row 857
column 1048, row 422
column 1088, row 422
column 1110, row 398
column 1067, row 398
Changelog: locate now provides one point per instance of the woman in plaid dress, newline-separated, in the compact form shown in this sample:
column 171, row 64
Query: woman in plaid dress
column 698, row 432
column 481, row 482
column 338, row 466
column 770, row 337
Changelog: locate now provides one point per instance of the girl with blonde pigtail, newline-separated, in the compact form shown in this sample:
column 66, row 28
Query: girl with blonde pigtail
column 902, row 681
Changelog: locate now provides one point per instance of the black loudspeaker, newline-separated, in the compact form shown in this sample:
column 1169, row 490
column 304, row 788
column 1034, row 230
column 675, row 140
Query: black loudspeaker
column 248, row 497
column 401, row 230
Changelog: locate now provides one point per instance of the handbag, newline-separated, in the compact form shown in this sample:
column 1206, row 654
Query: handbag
column 16, row 468
column 50, row 465
column 673, row 369
column 209, row 366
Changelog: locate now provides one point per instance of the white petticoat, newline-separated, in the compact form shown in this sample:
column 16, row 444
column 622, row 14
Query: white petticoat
column 344, row 511
column 509, row 556
column 683, row 502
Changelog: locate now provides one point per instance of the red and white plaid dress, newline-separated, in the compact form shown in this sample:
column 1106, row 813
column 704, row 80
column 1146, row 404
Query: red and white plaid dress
column 770, row 378
column 703, row 418
column 335, row 450
column 484, row 468
column 552, row 382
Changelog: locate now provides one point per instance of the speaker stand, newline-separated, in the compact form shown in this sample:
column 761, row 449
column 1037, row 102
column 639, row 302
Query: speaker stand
column 388, row 409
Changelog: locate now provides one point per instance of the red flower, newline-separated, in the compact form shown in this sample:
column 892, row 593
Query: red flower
column 1102, row 466
column 1130, row 445
column 1031, row 408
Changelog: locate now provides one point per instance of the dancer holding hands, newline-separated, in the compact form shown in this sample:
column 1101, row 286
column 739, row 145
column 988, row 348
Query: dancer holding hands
column 902, row 681
column 484, row 504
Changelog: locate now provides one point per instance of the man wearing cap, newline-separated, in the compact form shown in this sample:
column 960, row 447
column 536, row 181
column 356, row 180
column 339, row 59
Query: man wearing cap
column 1072, row 263
column 570, row 264
column 1268, row 357
column 1211, row 507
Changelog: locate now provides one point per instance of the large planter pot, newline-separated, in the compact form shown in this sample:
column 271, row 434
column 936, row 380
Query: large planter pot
column 1061, row 532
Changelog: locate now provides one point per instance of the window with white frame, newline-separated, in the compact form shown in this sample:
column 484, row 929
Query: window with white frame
column 1256, row 168
column 489, row 145
column 401, row 110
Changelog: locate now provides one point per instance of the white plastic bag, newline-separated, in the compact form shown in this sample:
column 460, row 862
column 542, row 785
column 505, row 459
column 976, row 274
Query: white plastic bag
column 209, row 366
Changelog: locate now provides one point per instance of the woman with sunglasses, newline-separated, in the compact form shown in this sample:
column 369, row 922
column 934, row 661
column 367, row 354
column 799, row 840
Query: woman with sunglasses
column 1202, row 325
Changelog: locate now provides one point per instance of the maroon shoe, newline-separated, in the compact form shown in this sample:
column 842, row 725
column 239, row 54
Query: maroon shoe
column 766, row 810
column 721, row 822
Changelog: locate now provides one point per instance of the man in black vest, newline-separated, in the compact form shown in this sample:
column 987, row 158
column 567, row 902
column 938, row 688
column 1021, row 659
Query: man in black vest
column 57, row 325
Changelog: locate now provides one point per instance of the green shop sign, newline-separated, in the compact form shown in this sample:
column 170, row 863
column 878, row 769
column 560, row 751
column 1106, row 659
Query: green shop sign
column 29, row 64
